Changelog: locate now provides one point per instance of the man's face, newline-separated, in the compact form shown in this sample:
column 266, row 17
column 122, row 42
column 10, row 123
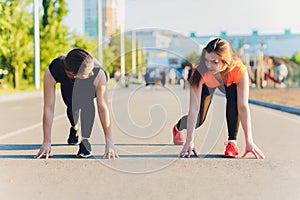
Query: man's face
column 85, row 73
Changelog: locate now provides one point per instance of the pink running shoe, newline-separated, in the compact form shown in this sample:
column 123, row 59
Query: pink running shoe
column 231, row 150
column 178, row 137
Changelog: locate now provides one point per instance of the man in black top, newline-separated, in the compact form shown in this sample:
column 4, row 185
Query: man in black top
column 82, row 79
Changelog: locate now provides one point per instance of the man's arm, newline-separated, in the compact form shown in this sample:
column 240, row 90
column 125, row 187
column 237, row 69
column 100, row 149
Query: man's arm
column 48, row 112
column 102, row 105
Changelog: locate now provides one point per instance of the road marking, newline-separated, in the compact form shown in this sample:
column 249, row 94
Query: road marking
column 7, row 135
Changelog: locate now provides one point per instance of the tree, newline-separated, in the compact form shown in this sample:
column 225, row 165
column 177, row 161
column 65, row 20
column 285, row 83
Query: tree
column 296, row 58
column 113, row 48
column 54, row 36
column 54, row 10
column 191, row 58
column 16, row 41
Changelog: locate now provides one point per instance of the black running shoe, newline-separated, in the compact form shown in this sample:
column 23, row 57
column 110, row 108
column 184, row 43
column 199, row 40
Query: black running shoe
column 73, row 137
column 85, row 149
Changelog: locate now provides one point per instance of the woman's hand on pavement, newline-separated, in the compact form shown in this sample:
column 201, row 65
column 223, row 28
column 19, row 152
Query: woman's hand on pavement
column 252, row 148
column 188, row 149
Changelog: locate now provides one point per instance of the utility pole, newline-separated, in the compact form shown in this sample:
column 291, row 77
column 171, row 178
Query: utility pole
column 122, row 34
column 36, row 44
column 100, row 32
column 133, row 53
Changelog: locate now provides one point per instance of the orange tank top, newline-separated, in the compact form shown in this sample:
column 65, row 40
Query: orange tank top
column 234, row 76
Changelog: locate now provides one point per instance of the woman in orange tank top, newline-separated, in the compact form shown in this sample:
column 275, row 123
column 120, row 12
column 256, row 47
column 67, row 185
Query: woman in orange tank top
column 218, row 68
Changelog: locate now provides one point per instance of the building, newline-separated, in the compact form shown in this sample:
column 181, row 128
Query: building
column 91, row 18
column 109, row 18
column 169, row 49
column 164, row 48
column 285, row 44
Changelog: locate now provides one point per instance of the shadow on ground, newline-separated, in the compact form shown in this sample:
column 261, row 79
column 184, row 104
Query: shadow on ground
column 24, row 147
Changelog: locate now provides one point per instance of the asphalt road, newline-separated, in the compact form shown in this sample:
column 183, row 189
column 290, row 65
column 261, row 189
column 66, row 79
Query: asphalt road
column 148, row 167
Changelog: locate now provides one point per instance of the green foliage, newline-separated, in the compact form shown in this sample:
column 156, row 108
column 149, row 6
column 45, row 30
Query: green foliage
column 54, row 36
column 84, row 42
column 53, row 11
column 16, row 37
column 112, row 53
column 191, row 58
column 108, row 58
column 17, row 45
column 16, row 42
column 296, row 57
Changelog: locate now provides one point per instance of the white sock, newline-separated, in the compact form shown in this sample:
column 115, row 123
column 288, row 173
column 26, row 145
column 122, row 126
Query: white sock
column 234, row 141
column 75, row 127
column 85, row 138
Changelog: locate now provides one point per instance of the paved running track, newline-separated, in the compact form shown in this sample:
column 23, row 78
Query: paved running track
column 148, row 167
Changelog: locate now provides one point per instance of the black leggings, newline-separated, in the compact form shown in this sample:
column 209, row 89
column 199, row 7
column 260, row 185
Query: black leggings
column 87, row 116
column 232, row 117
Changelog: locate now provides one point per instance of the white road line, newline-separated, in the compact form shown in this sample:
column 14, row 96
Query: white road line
column 7, row 135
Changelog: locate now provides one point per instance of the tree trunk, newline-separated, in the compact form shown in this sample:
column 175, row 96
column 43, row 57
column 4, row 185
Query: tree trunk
column 16, row 78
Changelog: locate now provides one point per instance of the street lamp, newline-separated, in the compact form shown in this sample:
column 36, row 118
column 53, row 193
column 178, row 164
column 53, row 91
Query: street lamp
column 100, row 36
column 122, row 34
column 36, row 45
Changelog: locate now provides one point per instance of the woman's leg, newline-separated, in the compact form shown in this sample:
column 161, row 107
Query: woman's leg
column 232, row 116
column 206, row 97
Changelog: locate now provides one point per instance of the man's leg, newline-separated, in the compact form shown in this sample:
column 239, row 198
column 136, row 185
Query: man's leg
column 87, row 117
column 73, row 116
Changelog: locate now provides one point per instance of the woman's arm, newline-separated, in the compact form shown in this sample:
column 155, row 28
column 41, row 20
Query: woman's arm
column 102, row 105
column 48, row 112
column 194, row 106
column 244, row 114
column 243, row 106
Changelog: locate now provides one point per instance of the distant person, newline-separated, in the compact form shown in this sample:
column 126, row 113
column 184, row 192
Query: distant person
column 117, row 75
column 81, row 79
column 172, row 77
column 157, row 76
column 282, row 72
column 218, row 68
column 163, row 77
column 147, row 78
column 127, row 79
column 185, row 76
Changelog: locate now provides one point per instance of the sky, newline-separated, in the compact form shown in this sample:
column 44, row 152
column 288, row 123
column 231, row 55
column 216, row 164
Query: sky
column 204, row 17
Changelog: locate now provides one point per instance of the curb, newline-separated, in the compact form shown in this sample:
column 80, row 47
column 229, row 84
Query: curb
column 287, row 109
column 282, row 108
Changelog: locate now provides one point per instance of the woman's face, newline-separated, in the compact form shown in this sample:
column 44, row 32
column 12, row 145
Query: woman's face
column 213, row 63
